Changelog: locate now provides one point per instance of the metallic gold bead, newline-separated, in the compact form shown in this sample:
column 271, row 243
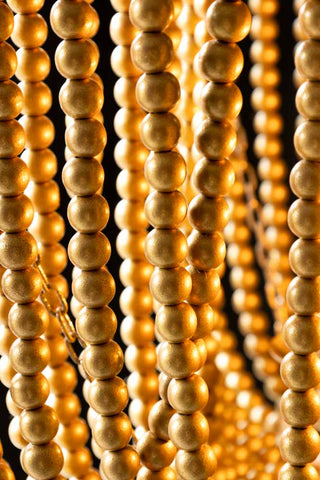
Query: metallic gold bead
column 29, row 6
column 215, row 140
column 228, row 22
column 306, row 59
column 159, row 417
column 302, row 295
column 144, row 387
column 7, row 338
column 12, row 99
column 39, row 426
column 304, row 258
column 121, row 62
column 302, row 334
column 94, row 288
column 132, row 185
column 166, row 473
column 6, row 22
column 308, row 14
column 170, row 286
column 137, row 330
column 304, row 180
column 265, row 99
column 135, row 272
column 45, row 196
column 89, row 251
column 213, row 178
column 58, row 351
column 188, row 432
column 149, row 16
column 29, row 357
column 22, row 286
column 221, row 101
column 290, row 472
column 165, row 248
column 33, row 64
column 30, row 31
column 96, row 325
column 108, row 397
column 122, row 31
column 157, row 93
column 188, row 395
column 120, row 465
column 220, row 62
column 112, row 433
column 14, row 176
column 306, row 140
column 178, row 360
column 264, row 52
column 155, row 454
column 74, row 20
column 42, row 461
column 129, row 214
column 17, row 250
column 39, row 131
column 205, row 286
column 303, row 219
column 28, row 321
column 165, row 171
column 49, row 226
column 208, row 214
column 143, row 359
column 300, row 372
column 176, row 323
column 78, row 462
column 81, row 98
column 160, row 131
column 67, row 407
column 29, row 392
column 165, row 210
column 62, row 379
column 8, row 61
column 37, row 98
column 86, row 138
column 88, row 214
column 199, row 464
column 42, row 164
column 103, row 361
column 124, row 92
column 131, row 244
column 85, row 58
column 152, row 52
column 299, row 446
column 300, row 409
column 83, row 176
column 15, row 437
column 127, row 123
column 206, row 251
column 73, row 435
column 14, row 139
column 307, row 100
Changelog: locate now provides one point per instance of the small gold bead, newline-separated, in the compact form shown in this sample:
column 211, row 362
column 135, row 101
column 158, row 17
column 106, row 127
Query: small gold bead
column 120, row 465
column 197, row 465
column 67, row 407
column 149, row 16
column 33, row 64
column 103, row 361
column 85, row 58
column 39, row 426
column 29, row 392
column 155, row 454
column 208, row 214
column 228, row 22
column 42, row 461
column 108, row 397
column 176, row 323
column 300, row 372
column 170, row 286
column 74, row 20
column 73, row 435
column 62, row 379
column 221, row 101
column 121, row 62
column 220, row 62
column 188, row 395
column 122, row 31
column 299, row 446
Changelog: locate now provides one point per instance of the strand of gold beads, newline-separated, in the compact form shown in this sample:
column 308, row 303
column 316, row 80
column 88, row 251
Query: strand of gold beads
column 137, row 328
column 300, row 369
column 5, row 470
column 89, row 250
column 41, row 458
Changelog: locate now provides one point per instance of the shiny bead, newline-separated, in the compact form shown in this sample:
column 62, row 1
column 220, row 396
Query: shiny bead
column 8, row 61
column 67, row 407
column 304, row 180
column 157, row 93
column 205, row 286
column 207, row 215
column 122, row 31
column 166, row 248
column 188, row 395
column 29, row 357
column 30, row 31
column 81, row 98
column 160, row 131
column 89, row 252
column 171, row 286
column 155, row 454
column 178, row 360
column 22, row 286
column 306, row 140
column 11, row 100
column 303, row 219
column 130, row 155
column 77, row 462
column 103, row 361
column 302, row 295
column 127, row 123
column 300, row 372
column 58, row 351
column 50, row 226
column 166, row 473
column 62, row 379
column 197, row 465
column 300, row 409
column 17, row 250
column 108, row 397
column 39, row 131
column 215, row 140
column 304, row 258
column 291, row 472
column 96, row 325
column 220, row 62
column 152, row 52
column 121, row 62
column 148, row 16
column 124, row 92
column 306, row 57
column 176, row 323
column 308, row 14
column 94, row 288
column 137, row 330
column 189, row 432
column 33, row 65
column 29, row 392
column 6, row 22
column 13, row 139
column 73, row 20
column 228, row 22
column 213, row 178
column 221, row 101
column 86, row 138
column 165, row 210
column 14, row 176
column 83, row 176
column 131, row 185
column 15, row 436
column 112, row 433
column 39, row 426
column 85, row 58
column 307, row 100
column 74, row 434
column 120, row 465
column 42, row 164
column 302, row 334
column 29, row 6
column 88, row 215
column 206, row 251
column 28, row 321
column 159, row 417
column 299, row 446
column 42, row 461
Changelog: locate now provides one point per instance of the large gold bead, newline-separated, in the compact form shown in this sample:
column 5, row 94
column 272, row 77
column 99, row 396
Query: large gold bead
column 300, row 372
column 149, row 16
column 303, row 219
column 307, row 100
column 112, row 433
column 215, row 140
column 291, row 472
column 166, row 210
column 39, row 426
column 299, row 446
column 22, row 286
column 220, row 62
column 14, row 177
column 197, row 465
column 96, row 325
column 17, row 250
column 86, row 138
column 305, row 180
column 89, row 251
column 28, row 321
column 152, row 52
column 83, row 176
column 208, row 214
column 188, row 395
column 71, row 20
column 94, row 288
column 306, row 140
column 170, row 286
column 154, row 453
column 13, row 139
column 213, row 178
column 144, row 473
column 42, row 461
column 308, row 15
column 206, row 251
column 188, row 432
column 85, row 58
column 157, row 93
column 304, row 258
column 120, row 465
column 307, row 59
column 29, row 357
column 221, row 101
column 30, row 31
column 228, row 22
column 12, row 94
column 122, row 31
column 124, row 92
column 67, row 407
column 108, row 397
column 205, row 286
column 33, row 64
column 176, row 323
column 28, row 6
column 103, row 361
column 178, row 360
column 6, row 22
column 302, row 334
column 88, row 214
column 160, row 131
column 29, row 392
column 39, row 131
column 300, row 409
column 303, row 295
column 81, row 98
column 78, row 462
column 159, row 418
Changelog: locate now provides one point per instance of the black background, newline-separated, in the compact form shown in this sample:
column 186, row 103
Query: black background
column 106, row 46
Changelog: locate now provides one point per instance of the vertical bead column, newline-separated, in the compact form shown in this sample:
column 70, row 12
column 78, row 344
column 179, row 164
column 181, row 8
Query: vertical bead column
column 137, row 328
column 21, row 283
column 300, row 369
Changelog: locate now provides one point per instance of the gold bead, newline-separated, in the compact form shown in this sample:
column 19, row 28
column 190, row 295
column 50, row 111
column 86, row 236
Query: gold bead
column 112, row 433
column 74, row 20
column 221, row 101
column 228, row 22
column 206, row 251
column 28, row 321
column 302, row 295
column 127, row 123
column 78, row 462
column 42, row 461
column 188, row 432
column 160, row 131
column 8, row 61
column 291, row 472
column 197, row 465
column 120, row 465
column 14, row 139
column 28, row 6
column 308, row 14
column 170, row 287
column 130, row 155
column 39, row 131
column 155, row 454
column 42, row 164
column 73, row 435
column 143, row 387
column 88, row 214
column 103, row 361
column 176, row 323
column 94, row 288
column 49, row 226
column 86, row 138
column 304, row 258
column 62, row 379
column 306, row 100
column 178, row 360
column 264, row 52
column 13, row 98
column 67, row 407
column 29, row 392
column 14, row 176
column 124, row 92
column 33, row 65
column 166, row 473
column 132, row 185
column 208, row 214
column 89, row 251
column 149, row 16
column 265, row 99
column 304, row 180
column 215, row 140
column 96, row 325
column 85, row 58
column 29, row 357
column 30, row 31
column 300, row 372
column 299, row 446
column 152, row 52
column 159, row 417
column 220, row 62
column 121, row 62
column 131, row 244
column 58, row 351
column 22, row 286
column 213, row 178
column 303, row 219
column 39, row 426
column 83, row 176
column 165, row 210
column 188, row 395
column 137, row 302
column 137, row 330
column 108, row 397
column 302, row 334
column 17, row 250
column 122, row 31
column 205, row 286
column 15, row 437
column 157, row 93
column 306, row 140
column 306, row 59
column 6, row 22
column 165, row 248
column 300, row 409
column 81, row 98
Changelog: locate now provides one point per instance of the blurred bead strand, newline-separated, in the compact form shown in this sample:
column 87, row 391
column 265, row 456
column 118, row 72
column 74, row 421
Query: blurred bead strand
column 89, row 250
column 300, row 369
column 272, row 171
column 299, row 35
column 29, row 354
column 5, row 470
column 137, row 328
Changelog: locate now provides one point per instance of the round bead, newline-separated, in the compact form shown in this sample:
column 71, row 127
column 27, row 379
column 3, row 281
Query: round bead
column 213, row 178
column 302, row 334
column 306, row 59
column 221, row 101
column 165, row 171
column 303, row 219
column 305, row 258
column 305, row 180
column 300, row 409
column 6, row 22
column 149, row 16
column 29, row 6
column 29, row 357
column 152, row 52
column 85, row 58
column 160, row 131
column 88, row 214
column 121, row 62
column 108, row 397
column 14, row 176
column 208, row 214
column 42, row 164
column 29, row 392
column 83, row 176
column 306, row 140
column 302, row 295
column 165, row 248
column 120, row 465
column 157, row 93
column 39, row 131
column 299, row 446
column 188, row 432
column 67, row 407
column 215, row 140
column 62, row 379
column 13, row 139
column 205, row 286
column 78, row 462
column 96, row 326
column 89, row 251
column 17, row 250
column 228, row 22
column 39, row 426
column 165, row 210
column 291, row 472
column 155, row 454
column 112, row 433
column 103, row 361
column 11, row 99
column 30, row 31
column 33, row 64
column 176, row 323
column 8, row 61
column 220, row 62
column 28, row 321
column 170, row 287
column 73, row 435
column 178, row 360
column 158, row 420
column 197, row 465
column 300, row 372
column 71, row 20
column 188, row 395
column 206, row 251
column 81, row 98
column 307, row 100
column 22, row 286
column 42, row 461
column 94, row 288
column 166, row 473
column 122, row 31
column 86, row 138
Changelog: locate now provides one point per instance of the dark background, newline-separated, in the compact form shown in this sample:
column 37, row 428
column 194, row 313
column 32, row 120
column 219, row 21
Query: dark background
column 106, row 46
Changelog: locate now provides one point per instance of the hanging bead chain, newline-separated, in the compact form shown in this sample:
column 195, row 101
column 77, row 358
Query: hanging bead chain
column 137, row 328
column 21, row 283
column 300, row 369
column 81, row 98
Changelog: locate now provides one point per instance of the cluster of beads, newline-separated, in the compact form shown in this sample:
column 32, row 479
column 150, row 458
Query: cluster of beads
column 137, row 328
column 81, row 99
column 21, row 283
column 300, row 369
